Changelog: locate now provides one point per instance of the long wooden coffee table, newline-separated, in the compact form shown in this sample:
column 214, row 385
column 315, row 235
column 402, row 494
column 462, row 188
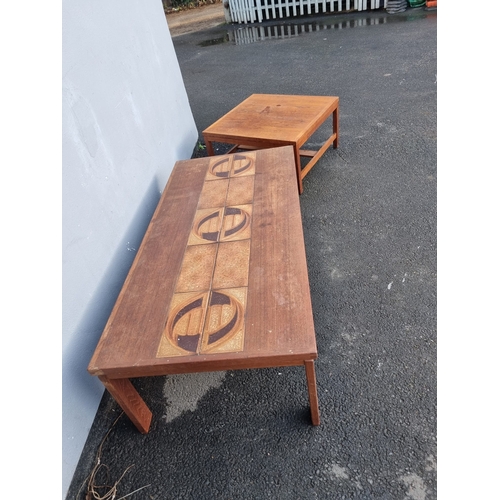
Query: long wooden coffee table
column 219, row 282
column 271, row 120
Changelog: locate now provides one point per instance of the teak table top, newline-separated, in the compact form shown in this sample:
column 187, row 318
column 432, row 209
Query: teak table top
column 271, row 120
column 220, row 280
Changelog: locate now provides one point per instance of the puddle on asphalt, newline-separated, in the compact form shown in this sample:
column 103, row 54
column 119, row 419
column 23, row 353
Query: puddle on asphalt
column 240, row 34
column 215, row 41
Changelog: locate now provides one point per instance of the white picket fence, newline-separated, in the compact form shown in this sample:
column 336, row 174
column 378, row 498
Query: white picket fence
column 251, row 33
column 251, row 11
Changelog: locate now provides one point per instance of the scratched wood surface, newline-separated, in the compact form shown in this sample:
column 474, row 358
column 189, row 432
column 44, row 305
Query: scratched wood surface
column 265, row 120
column 273, row 120
column 220, row 280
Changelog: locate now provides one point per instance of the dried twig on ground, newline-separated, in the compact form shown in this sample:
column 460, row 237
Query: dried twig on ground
column 110, row 491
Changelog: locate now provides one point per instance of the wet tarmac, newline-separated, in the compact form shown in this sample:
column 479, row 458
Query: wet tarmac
column 282, row 29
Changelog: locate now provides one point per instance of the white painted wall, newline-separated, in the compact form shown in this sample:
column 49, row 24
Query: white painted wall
column 126, row 120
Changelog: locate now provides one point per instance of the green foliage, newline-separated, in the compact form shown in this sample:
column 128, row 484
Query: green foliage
column 175, row 5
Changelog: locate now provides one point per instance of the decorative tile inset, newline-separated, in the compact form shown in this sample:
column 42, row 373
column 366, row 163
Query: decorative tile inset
column 209, row 322
column 207, row 312
column 184, row 325
column 243, row 164
column 221, row 224
column 224, row 322
column 231, row 267
column 240, row 190
column 197, row 268
column 224, row 167
column 207, row 226
column 236, row 223
column 214, row 194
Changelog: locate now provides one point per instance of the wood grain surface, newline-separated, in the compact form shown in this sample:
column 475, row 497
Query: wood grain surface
column 272, row 120
column 219, row 282
column 278, row 320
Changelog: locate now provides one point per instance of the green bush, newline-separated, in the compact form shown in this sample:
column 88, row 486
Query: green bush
column 174, row 5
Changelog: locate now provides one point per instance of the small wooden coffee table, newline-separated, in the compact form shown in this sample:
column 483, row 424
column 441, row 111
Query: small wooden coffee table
column 270, row 120
column 220, row 280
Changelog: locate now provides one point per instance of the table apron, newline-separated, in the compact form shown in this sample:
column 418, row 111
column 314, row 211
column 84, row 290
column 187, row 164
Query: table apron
column 205, row 366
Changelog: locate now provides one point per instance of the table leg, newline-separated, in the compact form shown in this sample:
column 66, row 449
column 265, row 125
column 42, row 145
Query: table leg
column 298, row 168
column 210, row 148
column 313, row 394
column 336, row 127
column 128, row 398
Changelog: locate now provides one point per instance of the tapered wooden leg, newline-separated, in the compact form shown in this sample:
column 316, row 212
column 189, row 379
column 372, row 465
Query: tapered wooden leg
column 336, row 127
column 128, row 398
column 313, row 394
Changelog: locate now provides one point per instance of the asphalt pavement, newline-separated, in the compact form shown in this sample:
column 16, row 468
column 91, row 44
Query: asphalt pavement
column 369, row 219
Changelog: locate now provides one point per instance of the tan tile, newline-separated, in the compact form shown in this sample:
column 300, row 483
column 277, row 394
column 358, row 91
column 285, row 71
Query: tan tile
column 213, row 194
column 240, row 190
column 219, row 167
column 224, row 323
column 231, row 268
column 243, row 164
column 206, row 226
column 236, row 224
column 210, row 322
column 238, row 164
column 197, row 268
column 185, row 323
